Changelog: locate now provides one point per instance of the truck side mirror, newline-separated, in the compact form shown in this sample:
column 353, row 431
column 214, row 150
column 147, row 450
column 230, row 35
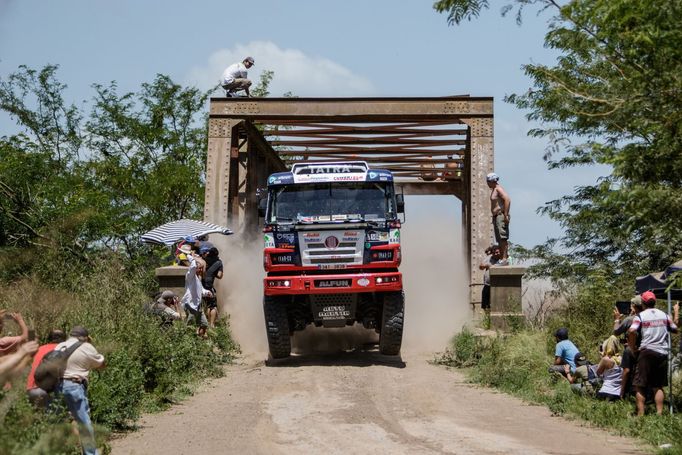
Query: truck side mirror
column 400, row 203
column 262, row 206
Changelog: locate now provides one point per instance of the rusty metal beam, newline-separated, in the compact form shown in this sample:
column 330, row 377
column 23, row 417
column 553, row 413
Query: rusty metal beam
column 325, row 132
column 430, row 188
column 351, row 109
column 331, row 150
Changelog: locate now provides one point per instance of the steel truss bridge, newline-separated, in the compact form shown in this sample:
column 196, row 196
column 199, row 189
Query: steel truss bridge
column 433, row 146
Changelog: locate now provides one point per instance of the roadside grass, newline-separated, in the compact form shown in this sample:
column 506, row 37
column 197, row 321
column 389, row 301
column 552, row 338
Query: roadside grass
column 148, row 366
column 517, row 363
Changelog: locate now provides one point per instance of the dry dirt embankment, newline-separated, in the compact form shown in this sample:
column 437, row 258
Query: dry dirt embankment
column 357, row 402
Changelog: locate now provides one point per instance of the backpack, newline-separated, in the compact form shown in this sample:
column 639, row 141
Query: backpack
column 580, row 360
column 51, row 368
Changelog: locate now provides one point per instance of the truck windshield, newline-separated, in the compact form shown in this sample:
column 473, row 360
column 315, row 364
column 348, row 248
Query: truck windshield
column 331, row 202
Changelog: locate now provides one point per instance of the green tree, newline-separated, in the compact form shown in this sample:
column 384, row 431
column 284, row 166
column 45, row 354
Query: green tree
column 77, row 180
column 612, row 98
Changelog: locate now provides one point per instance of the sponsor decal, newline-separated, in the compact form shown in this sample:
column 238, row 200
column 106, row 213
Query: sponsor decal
column 269, row 241
column 332, row 283
column 282, row 258
column 394, row 236
column 285, row 237
column 363, row 282
column 331, row 242
column 347, row 233
column 372, row 175
column 377, row 236
column 271, row 180
column 286, row 245
column 348, row 178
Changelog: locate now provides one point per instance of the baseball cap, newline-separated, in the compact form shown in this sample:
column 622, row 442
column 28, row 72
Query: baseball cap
column 648, row 296
column 492, row 177
column 167, row 294
column 250, row 60
column 561, row 333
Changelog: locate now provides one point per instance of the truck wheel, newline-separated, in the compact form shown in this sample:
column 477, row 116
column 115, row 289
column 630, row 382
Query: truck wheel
column 391, row 336
column 277, row 327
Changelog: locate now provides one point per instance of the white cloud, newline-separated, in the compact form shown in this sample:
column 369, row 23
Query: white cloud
column 295, row 71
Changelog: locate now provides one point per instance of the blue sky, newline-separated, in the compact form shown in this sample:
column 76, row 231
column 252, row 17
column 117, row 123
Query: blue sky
column 315, row 48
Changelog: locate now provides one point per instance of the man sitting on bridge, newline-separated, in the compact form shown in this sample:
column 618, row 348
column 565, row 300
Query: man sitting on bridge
column 234, row 77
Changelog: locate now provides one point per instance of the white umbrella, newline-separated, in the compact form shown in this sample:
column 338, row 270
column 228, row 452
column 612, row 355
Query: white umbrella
column 170, row 233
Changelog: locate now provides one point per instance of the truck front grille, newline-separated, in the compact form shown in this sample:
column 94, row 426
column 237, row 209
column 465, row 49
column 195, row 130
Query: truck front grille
column 319, row 248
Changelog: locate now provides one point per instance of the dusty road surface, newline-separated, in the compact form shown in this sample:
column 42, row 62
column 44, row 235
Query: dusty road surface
column 357, row 403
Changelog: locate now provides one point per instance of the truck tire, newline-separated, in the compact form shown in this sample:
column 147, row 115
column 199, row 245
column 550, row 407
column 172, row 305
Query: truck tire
column 277, row 327
column 392, row 317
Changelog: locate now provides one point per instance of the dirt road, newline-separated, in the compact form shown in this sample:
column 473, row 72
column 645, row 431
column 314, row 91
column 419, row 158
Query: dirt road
column 359, row 403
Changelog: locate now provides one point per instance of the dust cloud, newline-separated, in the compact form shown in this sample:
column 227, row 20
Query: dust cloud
column 435, row 281
column 435, row 275
column 240, row 292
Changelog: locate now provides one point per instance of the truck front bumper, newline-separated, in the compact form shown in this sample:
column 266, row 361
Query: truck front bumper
column 333, row 283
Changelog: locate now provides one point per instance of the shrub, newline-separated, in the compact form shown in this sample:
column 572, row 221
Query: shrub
column 147, row 365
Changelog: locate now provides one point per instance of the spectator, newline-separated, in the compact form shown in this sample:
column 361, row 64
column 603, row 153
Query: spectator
column 194, row 291
column 166, row 307
column 493, row 257
column 235, row 77
column 565, row 353
column 182, row 254
column 36, row 395
column 609, row 370
column 11, row 365
column 10, row 344
column 197, row 243
column 74, row 386
column 214, row 271
column 628, row 362
column 652, row 360
column 620, row 324
column 500, row 203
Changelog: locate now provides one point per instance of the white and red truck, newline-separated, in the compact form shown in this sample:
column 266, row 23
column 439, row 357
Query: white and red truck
column 332, row 252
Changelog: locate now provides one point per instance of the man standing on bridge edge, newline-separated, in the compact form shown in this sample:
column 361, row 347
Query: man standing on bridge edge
column 235, row 77
column 500, row 203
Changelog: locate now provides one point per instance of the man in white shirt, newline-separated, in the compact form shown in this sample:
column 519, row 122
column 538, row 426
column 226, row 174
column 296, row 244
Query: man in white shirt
column 74, row 386
column 652, row 361
column 194, row 291
column 235, row 77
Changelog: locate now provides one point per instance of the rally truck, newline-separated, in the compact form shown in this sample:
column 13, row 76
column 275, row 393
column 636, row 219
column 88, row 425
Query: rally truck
column 332, row 252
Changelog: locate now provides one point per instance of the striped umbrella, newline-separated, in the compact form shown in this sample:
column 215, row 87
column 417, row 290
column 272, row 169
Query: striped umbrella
column 170, row 233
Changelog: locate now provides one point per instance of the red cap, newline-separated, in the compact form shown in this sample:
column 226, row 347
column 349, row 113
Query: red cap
column 648, row 296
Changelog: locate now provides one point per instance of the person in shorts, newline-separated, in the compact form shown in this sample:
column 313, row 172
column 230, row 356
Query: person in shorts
column 500, row 203
column 564, row 355
column 652, row 361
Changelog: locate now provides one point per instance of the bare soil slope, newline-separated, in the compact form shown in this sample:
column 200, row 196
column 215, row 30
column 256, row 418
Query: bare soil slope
column 359, row 403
